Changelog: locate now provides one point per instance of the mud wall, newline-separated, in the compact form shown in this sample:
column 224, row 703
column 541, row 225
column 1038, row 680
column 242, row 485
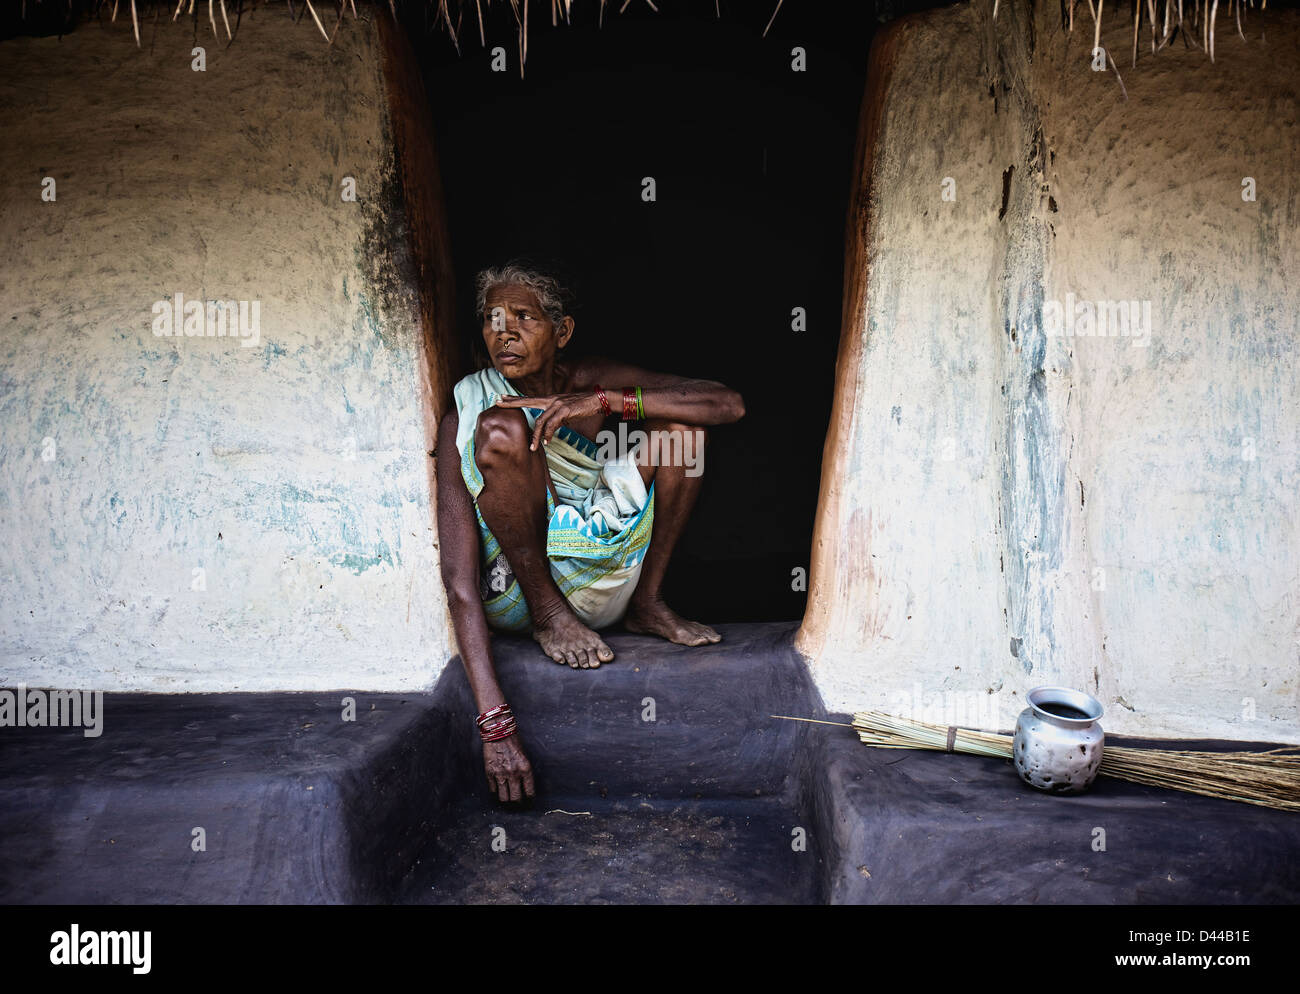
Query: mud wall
column 1006, row 505
column 1001, row 507
column 208, row 512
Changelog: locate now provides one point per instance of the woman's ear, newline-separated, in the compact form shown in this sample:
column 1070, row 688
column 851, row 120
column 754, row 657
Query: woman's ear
column 564, row 333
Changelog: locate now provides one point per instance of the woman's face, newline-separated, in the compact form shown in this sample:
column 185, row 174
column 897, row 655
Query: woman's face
column 520, row 338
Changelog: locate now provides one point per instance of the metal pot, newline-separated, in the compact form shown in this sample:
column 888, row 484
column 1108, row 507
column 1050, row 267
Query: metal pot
column 1058, row 741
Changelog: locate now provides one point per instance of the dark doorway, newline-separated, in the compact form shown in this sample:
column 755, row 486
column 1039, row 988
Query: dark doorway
column 752, row 163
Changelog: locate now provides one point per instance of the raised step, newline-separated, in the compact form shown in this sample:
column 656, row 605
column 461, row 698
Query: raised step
column 712, row 801
column 906, row 826
column 295, row 804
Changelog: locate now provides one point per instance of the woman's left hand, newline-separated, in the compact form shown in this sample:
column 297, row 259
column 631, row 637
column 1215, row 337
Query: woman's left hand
column 557, row 410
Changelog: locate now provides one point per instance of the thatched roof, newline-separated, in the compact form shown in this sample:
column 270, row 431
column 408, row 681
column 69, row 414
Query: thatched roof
column 1195, row 21
column 1165, row 21
column 461, row 19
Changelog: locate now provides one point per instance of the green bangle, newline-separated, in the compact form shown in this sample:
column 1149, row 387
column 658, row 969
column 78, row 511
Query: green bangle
column 640, row 408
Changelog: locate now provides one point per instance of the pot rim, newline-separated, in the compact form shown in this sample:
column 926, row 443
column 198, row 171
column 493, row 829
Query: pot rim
column 1071, row 698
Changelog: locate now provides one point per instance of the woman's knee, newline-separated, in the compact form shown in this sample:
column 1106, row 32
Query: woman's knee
column 500, row 434
column 678, row 429
column 673, row 443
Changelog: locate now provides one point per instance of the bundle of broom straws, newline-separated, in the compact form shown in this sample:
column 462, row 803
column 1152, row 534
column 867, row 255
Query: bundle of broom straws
column 1270, row 779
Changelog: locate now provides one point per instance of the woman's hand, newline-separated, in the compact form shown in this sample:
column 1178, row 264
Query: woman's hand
column 557, row 410
column 509, row 774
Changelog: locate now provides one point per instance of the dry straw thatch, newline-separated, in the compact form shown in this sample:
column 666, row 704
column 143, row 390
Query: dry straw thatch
column 560, row 10
column 1188, row 18
column 1202, row 16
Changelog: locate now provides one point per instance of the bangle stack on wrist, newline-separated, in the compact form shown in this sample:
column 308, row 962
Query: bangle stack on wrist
column 632, row 409
column 496, row 723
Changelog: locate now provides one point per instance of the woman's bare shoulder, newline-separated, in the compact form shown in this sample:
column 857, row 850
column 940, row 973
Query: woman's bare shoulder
column 609, row 372
column 589, row 370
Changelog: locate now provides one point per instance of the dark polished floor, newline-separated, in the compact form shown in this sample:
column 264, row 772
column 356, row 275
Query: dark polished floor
column 713, row 801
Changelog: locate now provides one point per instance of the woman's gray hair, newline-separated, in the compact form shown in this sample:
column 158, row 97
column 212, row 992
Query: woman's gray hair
column 550, row 294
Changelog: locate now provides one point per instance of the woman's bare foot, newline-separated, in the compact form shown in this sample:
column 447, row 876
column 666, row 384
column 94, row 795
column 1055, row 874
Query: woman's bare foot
column 567, row 640
column 657, row 618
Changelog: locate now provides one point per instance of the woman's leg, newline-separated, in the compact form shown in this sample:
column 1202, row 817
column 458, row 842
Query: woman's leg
column 513, row 504
column 678, row 452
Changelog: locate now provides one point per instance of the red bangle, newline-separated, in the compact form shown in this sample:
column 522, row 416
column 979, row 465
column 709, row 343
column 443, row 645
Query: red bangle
column 498, row 735
column 488, row 715
column 501, row 730
column 604, row 401
column 629, row 404
column 496, row 723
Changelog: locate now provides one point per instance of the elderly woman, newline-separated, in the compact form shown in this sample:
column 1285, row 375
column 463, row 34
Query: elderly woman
column 542, row 530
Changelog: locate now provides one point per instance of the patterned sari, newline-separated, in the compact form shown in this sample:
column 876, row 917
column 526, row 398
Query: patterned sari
column 597, row 535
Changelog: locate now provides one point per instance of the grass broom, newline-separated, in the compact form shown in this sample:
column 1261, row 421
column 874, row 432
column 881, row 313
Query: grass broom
column 1270, row 779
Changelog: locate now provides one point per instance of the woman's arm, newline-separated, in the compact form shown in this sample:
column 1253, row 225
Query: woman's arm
column 663, row 395
column 508, row 771
column 672, row 398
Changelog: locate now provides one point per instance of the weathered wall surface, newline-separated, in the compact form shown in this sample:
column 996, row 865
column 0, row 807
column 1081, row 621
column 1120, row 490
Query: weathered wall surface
column 1001, row 507
column 1004, row 507
column 292, row 474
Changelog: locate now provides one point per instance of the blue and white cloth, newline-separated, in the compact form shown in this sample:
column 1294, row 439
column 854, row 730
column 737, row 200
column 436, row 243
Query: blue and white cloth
column 597, row 536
